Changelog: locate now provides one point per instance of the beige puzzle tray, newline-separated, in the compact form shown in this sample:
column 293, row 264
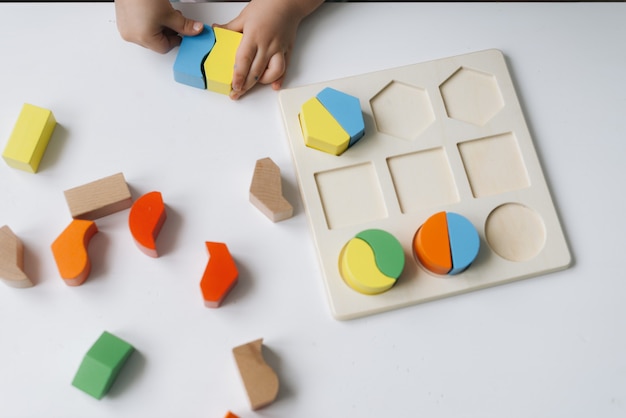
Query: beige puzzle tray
column 446, row 135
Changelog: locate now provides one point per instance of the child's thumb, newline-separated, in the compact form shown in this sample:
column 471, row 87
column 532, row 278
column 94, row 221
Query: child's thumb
column 184, row 26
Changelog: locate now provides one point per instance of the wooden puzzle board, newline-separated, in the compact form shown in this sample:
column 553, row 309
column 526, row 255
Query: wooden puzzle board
column 445, row 135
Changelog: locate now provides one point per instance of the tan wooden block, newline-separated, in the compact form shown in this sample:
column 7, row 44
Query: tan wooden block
column 99, row 198
column 259, row 379
column 12, row 260
column 266, row 191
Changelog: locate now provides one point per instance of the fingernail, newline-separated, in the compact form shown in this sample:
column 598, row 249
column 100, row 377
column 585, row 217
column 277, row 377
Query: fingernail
column 197, row 26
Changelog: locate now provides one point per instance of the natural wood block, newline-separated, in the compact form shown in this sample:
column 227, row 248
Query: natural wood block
column 266, row 191
column 147, row 216
column 29, row 138
column 12, row 260
column 99, row 198
column 260, row 381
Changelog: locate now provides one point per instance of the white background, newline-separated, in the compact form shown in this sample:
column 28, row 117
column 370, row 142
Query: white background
column 551, row 346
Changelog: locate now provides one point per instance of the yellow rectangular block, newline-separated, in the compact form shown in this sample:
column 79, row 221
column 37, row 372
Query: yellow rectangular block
column 218, row 66
column 29, row 138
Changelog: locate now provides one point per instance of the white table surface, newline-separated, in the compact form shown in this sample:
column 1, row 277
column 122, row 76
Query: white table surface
column 551, row 346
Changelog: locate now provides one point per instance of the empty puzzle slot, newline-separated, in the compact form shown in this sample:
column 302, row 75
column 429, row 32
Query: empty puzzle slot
column 515, row 232
column 494, row 165
column 402, row 110
column 471, row 96
column 350, row 195
column 423, row 179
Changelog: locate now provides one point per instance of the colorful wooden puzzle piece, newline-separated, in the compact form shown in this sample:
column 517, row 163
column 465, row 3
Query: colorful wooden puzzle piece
column 332, row 121
column 346, row 109
column 372, row 261
column 70, row 251
column 147, row 216
column 266, row 191
column 219, row 64
column 220, row 275
column 188, row 67
column 29, row 138
column 230, row 415
column 99, row 198
column 12, row 260
column 259, row 379
column 102, row 364
column 447, row 243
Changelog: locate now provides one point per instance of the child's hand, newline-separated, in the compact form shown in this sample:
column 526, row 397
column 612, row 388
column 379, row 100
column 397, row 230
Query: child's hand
column 269, row 31
column 153, row 24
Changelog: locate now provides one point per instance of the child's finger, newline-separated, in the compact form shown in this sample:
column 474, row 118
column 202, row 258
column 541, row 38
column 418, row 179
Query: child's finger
column 180, row 24
column 275, row 68
column 243, row 62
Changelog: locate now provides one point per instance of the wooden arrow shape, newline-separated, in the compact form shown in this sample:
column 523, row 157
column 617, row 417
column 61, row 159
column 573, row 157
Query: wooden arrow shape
column 266, row 191
column 220, row 275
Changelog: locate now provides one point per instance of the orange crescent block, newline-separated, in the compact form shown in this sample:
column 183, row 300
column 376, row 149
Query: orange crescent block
column 145, row 220
column 12, row 260
column 259, row 379
column 431, row 244
column 70, row 251
column 220, row 275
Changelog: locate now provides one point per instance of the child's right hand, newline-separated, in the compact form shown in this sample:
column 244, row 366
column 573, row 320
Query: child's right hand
column 153, row 24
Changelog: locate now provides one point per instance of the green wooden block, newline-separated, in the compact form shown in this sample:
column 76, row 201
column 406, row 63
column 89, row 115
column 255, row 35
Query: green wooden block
column 102, row 364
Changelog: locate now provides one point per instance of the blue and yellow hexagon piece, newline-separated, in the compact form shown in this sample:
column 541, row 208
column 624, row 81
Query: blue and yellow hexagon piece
column 332, row 121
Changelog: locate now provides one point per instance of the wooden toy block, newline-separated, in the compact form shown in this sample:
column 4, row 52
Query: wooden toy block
column 346, row 110
column 320, row 129
column 145, row 220
column 447, row 243
column 432, row 245
column 70, row 251
column 260, row 381
column 102, row 364
column 464, row 242
column 12, row 260
column 219, row 64
column 372, row 261
column 190, row 58
column 230, row 415
column 446, row 135
column 99, row 198
column 266, row 191
column 29, row 138
column 220, row 275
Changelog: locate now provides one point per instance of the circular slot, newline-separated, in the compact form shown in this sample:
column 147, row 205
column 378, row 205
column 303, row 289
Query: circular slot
column 515, row 232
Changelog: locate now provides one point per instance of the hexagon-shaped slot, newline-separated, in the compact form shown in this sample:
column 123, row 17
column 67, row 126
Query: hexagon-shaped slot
column 471, row 96
column 402, row 110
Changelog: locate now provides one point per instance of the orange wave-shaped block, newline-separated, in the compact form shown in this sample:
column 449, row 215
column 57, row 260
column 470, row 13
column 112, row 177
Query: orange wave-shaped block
column 145, row 220
column 220, row 275
column 70, row 251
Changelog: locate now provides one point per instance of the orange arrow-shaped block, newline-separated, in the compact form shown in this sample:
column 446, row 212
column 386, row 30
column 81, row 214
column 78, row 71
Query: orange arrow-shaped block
column 70, row 251
column 220, row 275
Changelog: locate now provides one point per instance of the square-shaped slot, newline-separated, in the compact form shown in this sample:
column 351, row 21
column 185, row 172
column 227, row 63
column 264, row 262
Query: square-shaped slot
column 423, row 179
column 350, row 195
column 494, row 165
